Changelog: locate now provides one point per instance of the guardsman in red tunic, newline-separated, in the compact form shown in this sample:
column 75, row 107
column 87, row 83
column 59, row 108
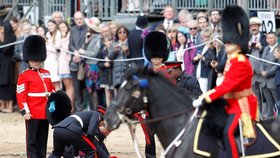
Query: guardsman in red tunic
column 156, row 48
column 33, row 88
column 236, row 87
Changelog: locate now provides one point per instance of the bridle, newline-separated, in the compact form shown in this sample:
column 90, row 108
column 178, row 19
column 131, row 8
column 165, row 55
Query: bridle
column 135, row 95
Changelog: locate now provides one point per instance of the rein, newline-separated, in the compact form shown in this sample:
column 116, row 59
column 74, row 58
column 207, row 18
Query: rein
column 161, row 118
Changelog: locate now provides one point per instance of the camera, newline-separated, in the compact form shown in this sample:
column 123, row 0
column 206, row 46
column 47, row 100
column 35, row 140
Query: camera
column 253, row 45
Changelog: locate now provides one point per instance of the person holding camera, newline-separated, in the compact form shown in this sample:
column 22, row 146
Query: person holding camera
column 256, row 44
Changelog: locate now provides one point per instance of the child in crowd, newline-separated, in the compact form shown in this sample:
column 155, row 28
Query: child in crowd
column 105, row 69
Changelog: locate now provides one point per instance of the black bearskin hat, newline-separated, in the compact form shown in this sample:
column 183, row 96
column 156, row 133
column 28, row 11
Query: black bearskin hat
column 156, row 44
column 235, row 26
column 58, row 107
column 34, row 48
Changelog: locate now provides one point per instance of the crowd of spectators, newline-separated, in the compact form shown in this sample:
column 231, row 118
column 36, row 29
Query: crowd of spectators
column 195, row 40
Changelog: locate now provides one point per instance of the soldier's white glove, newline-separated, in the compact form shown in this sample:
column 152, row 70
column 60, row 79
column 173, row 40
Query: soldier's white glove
column 197, row 103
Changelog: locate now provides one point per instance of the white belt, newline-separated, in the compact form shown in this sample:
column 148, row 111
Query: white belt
column 44, row 94
column 78, row 119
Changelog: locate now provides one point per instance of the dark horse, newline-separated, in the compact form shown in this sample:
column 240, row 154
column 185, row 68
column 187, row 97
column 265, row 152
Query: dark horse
column 146, row 90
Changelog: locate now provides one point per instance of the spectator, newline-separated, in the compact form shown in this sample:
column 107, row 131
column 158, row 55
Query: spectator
column 171, row 33
column 181, row 51
column 16, row 26
column 105, row 30
column 105, row 68
column 256, row 44
column 63, row 63
column 184, row 17
column 168, row 13
column 26, row 31
column 7, row 68
column 277, row 73
column 40, row 31
column 268, row 75
column 53, row 46
column 135, row 41
column 113, row 27
column 121, row 51
column 34, row 29
column 124, row 6
column 33, row 88
column 218, row 60
column 91, row 48
column 202, row 62
column 57, row 17
column 202, row 23
column 77, row 38
column 214, row 16
column 195, row 37
column 201, row 14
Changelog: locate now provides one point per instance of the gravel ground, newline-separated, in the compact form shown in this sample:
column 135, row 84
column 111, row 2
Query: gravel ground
column 12, row 139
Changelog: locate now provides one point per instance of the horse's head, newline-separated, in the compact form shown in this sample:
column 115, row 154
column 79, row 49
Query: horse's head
column 130, row 99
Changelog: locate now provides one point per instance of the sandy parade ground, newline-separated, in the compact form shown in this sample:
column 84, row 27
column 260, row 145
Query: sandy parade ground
column 12, row 139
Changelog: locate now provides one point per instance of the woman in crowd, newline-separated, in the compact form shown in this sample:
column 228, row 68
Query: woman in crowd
column 201, row 61
column 181, row 45
column 120, row 52
column 113, row 26
column 171, row 33
column 217, row 61
column 7, row 71
column 41, row 31
column 91, row 49
column 15, row 23
column 53, row 47
column 64, row 59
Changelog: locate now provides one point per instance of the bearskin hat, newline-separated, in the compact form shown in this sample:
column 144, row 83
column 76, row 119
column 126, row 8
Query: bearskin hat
column 58, row 107
column 235, row 26
column 34, row 48
column 156, row 44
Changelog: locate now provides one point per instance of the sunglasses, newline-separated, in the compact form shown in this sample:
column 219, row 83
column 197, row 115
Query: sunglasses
column 193, row 28
column 122, row 32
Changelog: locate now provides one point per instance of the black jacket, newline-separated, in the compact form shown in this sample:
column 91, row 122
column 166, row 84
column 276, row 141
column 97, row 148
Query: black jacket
column 90, row 121
column 190, row 83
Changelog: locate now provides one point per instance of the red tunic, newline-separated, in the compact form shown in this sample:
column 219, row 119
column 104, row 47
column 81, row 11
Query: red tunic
column 32, row 93
column 237, row 86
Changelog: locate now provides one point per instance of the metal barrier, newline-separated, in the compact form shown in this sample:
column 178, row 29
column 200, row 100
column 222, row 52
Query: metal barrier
column 108, row 9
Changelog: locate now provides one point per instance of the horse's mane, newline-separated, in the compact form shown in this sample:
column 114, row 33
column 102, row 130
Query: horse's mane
column 164, row 86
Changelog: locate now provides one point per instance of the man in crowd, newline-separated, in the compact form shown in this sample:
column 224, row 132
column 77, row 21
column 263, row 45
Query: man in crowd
column 77, row 39
column 135, row 41
column 256, row 44
column 268, row 75
column 169, row 14
column 214, row 16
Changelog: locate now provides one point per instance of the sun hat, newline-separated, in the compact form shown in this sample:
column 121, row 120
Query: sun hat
column 93, row 23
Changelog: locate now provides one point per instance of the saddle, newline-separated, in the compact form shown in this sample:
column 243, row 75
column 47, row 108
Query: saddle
column 210, row 145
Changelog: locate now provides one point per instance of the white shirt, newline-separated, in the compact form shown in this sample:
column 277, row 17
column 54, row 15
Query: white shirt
column 256, row 38
column 167, row 23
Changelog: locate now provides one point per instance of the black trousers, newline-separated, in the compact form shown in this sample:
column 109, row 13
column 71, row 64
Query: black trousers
column 36, row 138
column 63, row 137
